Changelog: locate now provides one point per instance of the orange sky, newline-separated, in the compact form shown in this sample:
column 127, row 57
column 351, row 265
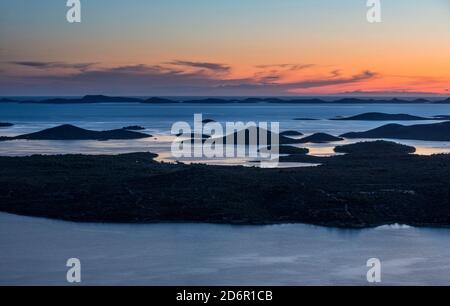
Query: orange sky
column 263, row 47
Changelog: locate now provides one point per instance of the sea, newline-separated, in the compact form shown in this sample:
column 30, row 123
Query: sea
column 35, row 251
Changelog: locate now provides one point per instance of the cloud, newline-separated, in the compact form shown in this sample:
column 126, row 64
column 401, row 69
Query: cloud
column 291, row 67
column 390, row 93
column 137, row 79
column 174, row 78
column 142, row 69
column 304, row 84
column 336, row 73
column 54, row 65
column 267, row 74
column 215, row 67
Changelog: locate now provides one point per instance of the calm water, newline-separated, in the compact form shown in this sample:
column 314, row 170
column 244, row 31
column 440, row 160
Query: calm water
column 158, row 119
column 34, row 251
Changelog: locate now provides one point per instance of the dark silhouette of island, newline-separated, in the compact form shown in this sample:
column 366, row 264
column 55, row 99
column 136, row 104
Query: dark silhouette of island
column 305, row 119
column 194, row 135
column 70, row 132
column 442, row 117
column 291, row 133
column 378, row 148
column 383, row 117
column 6, row 100
column 134, row 128
column 88, row 99
column 235, row 139
column 289, row 150
column 428, row 132
column 6, row 124
column 355, row 190
column 209, row 101
column 320, row 138
column 156, row 100
column 192, row 138
column 205, row 121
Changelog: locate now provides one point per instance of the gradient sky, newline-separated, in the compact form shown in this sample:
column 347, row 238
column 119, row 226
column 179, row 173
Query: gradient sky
column 224, row 47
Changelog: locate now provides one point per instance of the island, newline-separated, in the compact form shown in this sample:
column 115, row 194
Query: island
column 6, row 100
column 428, row 132
column 6, row 124
column 288, row 150
column 356, row 190
column 156, row 100
column 134, row 128
column 70, row 132
column 305, row 119
column 89, row 99
column 291, row 133
column 234, row 138
column 442, row 117
column 192, row 138
column 375, row 148
column 320, row 138
column 205, row 121
column 383, row 117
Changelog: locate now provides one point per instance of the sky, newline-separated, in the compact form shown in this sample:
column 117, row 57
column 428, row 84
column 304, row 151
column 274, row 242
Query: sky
column 224, row 48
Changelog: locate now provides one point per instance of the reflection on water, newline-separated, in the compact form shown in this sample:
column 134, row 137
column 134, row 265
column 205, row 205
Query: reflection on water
column 247, row 160
column 432, row 150
column 34, row 251
column 158, row 119
column 161, row 145
column 29, row 147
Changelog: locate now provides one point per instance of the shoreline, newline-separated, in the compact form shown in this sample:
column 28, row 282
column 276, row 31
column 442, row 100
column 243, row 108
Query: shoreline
column 252, row 225
column 97, row 99
column 135, row 189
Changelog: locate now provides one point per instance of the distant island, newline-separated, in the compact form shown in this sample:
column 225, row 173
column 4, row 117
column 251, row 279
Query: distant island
column 359, row 189
column 375, row 148
column 384, row 117
column 206, row 121
column 320, row 138
column 89, row 99
column 134, row 128
column 442, row 117
column 305, row 119
column 6, row 124
column 291, row 133
column 234, row 137
column 70, row 132
column 289, row 150
column 428, row 132
column 193, row 137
